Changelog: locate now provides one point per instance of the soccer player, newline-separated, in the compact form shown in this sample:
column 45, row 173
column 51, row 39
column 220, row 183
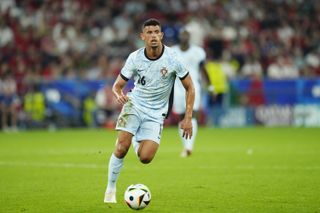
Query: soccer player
column 154, row 69
column 193, row 57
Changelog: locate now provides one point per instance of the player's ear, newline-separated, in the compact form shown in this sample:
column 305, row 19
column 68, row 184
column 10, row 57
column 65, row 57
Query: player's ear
column 142, row 36
column 162, row 34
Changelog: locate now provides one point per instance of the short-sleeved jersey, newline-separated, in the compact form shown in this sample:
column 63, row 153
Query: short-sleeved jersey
column 154, row 80
column 191, row 58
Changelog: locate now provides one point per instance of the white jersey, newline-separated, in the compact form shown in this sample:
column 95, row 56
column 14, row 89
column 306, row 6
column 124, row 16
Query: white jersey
column 191, row 58
column 154, row 80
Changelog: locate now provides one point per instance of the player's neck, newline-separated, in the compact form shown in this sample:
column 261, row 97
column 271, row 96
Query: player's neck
column 184, row 46
column 154, row 52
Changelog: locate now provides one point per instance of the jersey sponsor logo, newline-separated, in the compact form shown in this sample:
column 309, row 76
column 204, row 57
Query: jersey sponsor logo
column 163, row 71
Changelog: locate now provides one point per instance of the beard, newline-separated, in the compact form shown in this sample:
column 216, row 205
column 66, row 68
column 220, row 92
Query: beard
column 154, row 47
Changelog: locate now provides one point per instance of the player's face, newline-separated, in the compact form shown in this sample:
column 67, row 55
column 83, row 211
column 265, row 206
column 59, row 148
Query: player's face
column 184, row 37
column 152, row 36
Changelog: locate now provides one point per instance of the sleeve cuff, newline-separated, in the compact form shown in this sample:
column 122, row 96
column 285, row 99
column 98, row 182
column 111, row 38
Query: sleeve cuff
column 124, row 77
column 184, row 76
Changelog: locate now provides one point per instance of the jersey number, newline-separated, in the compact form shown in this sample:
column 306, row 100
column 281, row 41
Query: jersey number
column 141, row 80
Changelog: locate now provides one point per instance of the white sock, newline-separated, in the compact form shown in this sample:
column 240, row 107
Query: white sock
column 115, row 165
column 135, row 145
column 188, row 143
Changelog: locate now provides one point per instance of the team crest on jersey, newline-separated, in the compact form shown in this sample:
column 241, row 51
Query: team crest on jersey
column 163, row 71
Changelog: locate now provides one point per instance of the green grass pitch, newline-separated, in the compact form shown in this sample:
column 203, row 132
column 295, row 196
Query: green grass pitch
column 231, row 170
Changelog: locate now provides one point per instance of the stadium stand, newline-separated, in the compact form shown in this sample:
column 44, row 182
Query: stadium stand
column 272, row 46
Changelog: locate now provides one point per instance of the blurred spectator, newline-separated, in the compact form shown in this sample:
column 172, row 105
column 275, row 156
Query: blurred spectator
column 251, row 68
column 9, row 103
column 283, row 68
column 6, row 34
column 107, row 107
column 98, row 71
column 89, row 110
column 313, row 62
column 254, row 97
column 34, row 107
column 72, row 35
column 199, row 27
column 219, row 80
column 228, row 65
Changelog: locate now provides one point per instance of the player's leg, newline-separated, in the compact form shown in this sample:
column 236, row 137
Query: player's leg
column 147, row 151
column 127, row 125
column 116, row 163
column 147, row 140
column 189, row 143
column 179, row 106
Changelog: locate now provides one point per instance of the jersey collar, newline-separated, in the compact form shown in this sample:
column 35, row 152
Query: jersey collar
column 153, row 59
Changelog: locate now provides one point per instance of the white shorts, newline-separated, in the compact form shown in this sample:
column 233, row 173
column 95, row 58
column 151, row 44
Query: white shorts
column 139, row 124
column 179, row 102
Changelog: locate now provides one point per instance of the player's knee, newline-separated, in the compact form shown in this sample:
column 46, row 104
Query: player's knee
column 121, row 149
column 145, row 159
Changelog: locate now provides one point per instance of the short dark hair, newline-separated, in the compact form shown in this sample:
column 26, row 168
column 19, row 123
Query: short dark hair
column 151, row 22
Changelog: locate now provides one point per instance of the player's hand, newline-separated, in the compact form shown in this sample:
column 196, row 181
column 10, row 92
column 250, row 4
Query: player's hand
column 186, row 126
column 121, row 98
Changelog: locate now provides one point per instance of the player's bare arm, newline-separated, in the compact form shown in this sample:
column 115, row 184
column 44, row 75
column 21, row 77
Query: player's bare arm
column 117, row 90
column 186, row 123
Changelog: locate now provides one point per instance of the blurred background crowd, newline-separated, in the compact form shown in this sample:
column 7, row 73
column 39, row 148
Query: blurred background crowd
column 44, row 41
